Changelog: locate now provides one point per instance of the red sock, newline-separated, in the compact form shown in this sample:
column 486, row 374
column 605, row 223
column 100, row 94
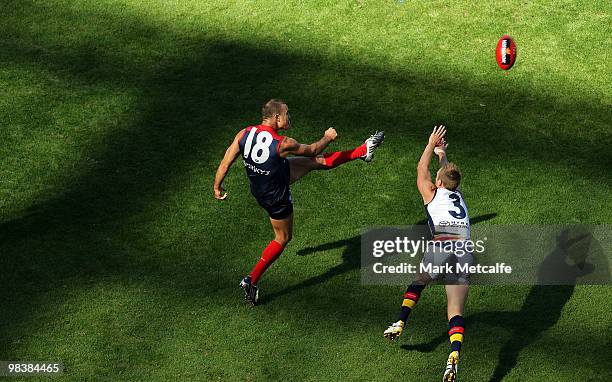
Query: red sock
column 336, row 159
column 268, row 256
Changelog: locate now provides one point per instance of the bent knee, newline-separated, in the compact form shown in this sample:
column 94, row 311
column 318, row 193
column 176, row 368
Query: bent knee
column 320, row 161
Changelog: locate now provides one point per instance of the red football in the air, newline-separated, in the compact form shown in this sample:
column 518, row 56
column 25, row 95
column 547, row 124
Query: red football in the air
column 505, row 52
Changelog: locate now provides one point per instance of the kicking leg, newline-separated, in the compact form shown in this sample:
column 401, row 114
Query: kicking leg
column 300, row 166
column 283, row 230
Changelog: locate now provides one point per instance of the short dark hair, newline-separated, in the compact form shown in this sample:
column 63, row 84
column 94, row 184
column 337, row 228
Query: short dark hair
column 450, row 176
column 272, row 108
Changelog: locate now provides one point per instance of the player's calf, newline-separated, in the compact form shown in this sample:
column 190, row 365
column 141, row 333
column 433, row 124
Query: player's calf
column 411, row 297
column 455, row 334
column 456, row 329
column 268, row 256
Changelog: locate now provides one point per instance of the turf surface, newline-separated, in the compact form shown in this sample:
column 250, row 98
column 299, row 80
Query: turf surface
column 117, row 260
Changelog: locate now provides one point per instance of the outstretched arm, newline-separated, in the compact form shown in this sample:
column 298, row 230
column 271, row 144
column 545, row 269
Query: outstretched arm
column 424, row 183
column 440, row 151
column 290, row 146
column 230, row 156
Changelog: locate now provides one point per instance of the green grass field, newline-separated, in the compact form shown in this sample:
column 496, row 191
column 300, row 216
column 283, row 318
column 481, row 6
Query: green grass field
column 116, row 260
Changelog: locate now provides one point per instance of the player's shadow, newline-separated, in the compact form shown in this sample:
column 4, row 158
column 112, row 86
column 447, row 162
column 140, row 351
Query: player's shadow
column 542, row 307
column 350, row 260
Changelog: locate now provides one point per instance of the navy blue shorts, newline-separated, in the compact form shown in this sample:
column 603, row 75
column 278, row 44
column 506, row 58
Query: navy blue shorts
column 277, row 209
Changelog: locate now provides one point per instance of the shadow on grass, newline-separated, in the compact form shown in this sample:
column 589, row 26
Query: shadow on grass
column 351, row 260
column 186, row 105
column 541, row 309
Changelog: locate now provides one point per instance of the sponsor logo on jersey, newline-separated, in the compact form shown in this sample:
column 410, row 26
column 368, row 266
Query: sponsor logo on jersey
column 255, row 169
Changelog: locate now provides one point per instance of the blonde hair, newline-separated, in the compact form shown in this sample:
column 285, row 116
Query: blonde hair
column 450, row 175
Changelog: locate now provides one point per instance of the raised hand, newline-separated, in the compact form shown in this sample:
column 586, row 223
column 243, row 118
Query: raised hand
column 441, row 148
column 437, row 134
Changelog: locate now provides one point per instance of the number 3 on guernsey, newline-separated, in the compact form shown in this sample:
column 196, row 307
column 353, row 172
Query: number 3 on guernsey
column 261, row 150
column 457, row 203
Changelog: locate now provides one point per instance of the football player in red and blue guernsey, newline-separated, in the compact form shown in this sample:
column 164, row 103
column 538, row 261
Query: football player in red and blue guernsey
column 272, row 162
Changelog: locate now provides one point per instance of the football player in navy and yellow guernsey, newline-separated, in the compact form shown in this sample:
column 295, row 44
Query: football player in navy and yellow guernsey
column 272, row 162
column 449, row 223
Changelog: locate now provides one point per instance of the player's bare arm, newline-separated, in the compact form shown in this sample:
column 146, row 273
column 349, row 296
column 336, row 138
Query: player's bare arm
column 424, row 183
column 292, row 147
column 230, row 156
column 440, row 151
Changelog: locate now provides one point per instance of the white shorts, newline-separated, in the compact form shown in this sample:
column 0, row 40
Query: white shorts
column 445, row 264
